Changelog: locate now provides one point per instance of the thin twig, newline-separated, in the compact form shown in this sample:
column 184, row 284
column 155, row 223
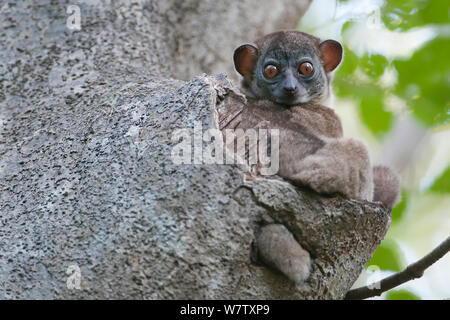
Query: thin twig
column 413, row 271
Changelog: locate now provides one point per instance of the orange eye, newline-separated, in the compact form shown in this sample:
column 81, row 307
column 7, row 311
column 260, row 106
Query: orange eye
column 306, row 68
column 270, row 71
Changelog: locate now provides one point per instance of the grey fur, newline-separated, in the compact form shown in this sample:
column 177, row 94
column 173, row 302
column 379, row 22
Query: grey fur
column 279, row 249
column 288, row 48
column 386, row 186
column 313, row 152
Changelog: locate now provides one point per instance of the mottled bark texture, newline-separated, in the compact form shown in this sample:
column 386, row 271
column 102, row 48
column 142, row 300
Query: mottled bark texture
column 86, row 176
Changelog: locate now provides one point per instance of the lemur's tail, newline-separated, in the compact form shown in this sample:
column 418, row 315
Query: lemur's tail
column 386, row 186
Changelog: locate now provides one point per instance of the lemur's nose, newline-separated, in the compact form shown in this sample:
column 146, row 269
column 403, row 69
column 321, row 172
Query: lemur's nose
column 289, row 85
column 290, row 89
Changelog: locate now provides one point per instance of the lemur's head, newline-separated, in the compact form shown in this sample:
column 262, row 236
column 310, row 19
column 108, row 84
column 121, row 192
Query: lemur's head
column 288, row 67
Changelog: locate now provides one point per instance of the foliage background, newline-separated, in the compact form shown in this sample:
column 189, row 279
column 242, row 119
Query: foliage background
column 392, row 91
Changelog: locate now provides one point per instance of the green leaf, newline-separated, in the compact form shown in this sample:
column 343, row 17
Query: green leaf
column 403, row 15
column 348, row 64
column 387, row 256
column 347, row 25
column 442, row 184
column 424, row 82
column 373, row 65
column 367, row 92
column 372, row 113
column 345, row 79
column 398, row 211
column 401, row 294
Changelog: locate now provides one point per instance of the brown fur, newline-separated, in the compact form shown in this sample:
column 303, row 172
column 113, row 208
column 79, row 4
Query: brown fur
column 279, row 249
column 312, row 150
column 313, row 153
column 386, row 185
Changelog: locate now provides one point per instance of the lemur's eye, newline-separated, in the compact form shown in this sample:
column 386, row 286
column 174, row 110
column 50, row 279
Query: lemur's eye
column 270, row 71
column 306, row 68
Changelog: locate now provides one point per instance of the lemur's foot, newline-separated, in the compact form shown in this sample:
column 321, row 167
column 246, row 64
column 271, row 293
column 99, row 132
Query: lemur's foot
column 278, row 248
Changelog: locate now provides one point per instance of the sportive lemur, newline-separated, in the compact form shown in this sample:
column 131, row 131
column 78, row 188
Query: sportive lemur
column 286, row 78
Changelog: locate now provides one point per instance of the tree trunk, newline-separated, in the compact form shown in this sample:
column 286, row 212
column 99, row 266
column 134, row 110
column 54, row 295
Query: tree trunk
column 91, row 204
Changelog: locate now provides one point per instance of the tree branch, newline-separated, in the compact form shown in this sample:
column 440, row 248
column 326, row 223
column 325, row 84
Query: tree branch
column 413, row 271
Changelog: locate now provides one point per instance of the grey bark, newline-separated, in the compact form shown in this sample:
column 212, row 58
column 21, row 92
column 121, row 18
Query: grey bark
column 86, row 176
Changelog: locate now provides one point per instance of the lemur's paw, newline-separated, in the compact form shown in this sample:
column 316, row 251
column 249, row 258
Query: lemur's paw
column 278, row 248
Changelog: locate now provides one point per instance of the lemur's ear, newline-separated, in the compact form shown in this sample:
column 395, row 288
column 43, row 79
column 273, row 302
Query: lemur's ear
column 331, row 54
column 245, row 58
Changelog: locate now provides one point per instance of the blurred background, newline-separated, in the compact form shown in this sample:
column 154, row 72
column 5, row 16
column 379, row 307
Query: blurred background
column 392, row 91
